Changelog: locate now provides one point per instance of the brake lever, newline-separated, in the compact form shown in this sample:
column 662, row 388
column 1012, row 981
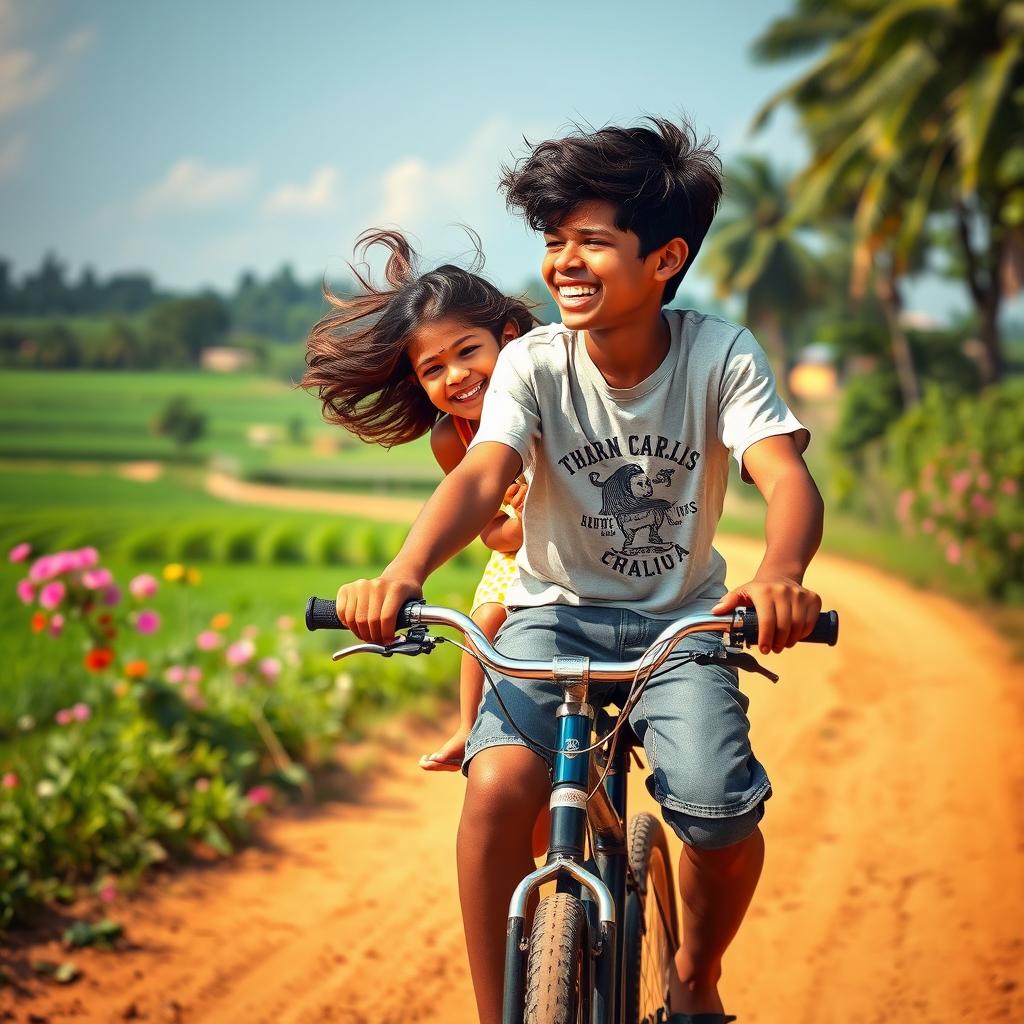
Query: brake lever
column 416, row 641
column 737, row 659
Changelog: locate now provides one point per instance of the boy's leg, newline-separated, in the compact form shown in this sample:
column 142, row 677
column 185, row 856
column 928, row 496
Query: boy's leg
column 716, row 888
column 695, row 731
column 448, row 757
column 507, row 787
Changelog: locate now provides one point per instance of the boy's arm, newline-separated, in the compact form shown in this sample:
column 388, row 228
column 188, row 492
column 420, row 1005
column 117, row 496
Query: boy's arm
column 786, row 610
column 458, row 510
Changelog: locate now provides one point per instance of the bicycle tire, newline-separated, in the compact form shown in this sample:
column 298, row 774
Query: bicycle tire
column 556, row 970
column 651, row 930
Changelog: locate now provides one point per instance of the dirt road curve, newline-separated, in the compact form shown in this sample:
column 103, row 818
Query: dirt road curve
column 893, row 890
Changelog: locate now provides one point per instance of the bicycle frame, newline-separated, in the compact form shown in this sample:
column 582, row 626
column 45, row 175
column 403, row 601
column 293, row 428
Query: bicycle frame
column 574, row 775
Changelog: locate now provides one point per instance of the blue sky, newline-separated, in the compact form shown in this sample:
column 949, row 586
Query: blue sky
column 197, row 139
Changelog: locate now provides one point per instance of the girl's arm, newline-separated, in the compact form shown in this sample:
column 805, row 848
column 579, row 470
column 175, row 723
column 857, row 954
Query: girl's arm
column 502, row 533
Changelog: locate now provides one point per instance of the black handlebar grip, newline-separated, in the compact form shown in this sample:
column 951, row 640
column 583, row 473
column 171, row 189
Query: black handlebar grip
column 322, row 613
column 825, row 632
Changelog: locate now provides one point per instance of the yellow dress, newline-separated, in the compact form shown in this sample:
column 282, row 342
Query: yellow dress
column 500, row 568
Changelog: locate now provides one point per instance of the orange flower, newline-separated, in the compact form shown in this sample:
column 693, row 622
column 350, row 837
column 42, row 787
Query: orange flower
column 39, row 621
column 98, row 659
column 193, row 575
column 221, row 620
column 121, row 688
column 136, row 669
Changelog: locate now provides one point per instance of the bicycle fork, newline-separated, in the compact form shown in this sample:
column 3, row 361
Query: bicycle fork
column 572, row 778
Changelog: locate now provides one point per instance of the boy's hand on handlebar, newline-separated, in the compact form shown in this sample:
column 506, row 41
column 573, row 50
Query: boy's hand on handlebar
column 370, row 607
column 786, row 610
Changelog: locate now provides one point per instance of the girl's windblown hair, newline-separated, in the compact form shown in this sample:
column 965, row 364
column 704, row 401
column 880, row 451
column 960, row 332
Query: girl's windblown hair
column 356, row 359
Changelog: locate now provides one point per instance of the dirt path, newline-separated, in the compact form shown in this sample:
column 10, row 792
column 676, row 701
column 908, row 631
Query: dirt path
column 893, row 890
column 382, row 508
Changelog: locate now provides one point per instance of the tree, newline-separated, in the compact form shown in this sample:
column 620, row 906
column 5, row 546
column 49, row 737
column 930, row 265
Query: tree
column 179, row 421
column 180, row 329
column 755, row 251
column 919, row 104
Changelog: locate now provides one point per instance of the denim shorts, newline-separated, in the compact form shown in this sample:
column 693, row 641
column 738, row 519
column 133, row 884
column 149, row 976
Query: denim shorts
column 691, row 719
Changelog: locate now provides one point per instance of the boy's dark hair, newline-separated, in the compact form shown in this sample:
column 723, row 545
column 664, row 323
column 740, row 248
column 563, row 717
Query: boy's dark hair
column 356, row 359
column 663, row 183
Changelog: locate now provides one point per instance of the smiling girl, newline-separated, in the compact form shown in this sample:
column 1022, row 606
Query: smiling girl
column 390, row 364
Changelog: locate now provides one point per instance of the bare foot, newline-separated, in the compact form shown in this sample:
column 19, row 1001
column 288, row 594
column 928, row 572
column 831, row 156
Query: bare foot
column 448, row 757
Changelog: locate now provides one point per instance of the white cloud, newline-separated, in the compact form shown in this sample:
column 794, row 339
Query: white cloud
column 23, row 80
column 192, row 184
column 317, row 195
column 461, row 187
column 12, row 155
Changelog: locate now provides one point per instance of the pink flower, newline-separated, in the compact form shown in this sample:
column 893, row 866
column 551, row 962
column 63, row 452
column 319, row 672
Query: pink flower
column 202, row 785
column 974, row 458
column 903, row 505
column 209, row 640
column 52, row 594
column 270, row 668
column 285, row 623
column 193, row 696
column 959, row 482
column 111, row 595
column 64, row 561
column 64, row 716
column 56, row 624
column 143, row 586
column 982, row 505
column 251, row 631
column 240, row 652
column 259, row 795
column 1008, row 486
column 108, row 890
column 240, row 678
column 82, row 712
column 194, row 674
column 953, row 553
column 87, row 557
column 928, row 525
column 147, row 621
column 26, row 591
column 42, row 569
column 19, row 552
column 9, row 780
column 984, row 481
column 175, row 674
column 1014, row 540
column 96, row 579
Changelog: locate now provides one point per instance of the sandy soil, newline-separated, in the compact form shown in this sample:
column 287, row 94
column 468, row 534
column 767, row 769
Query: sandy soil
column 893, row 889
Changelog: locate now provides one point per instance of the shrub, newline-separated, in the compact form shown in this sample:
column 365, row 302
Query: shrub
column 959, row 464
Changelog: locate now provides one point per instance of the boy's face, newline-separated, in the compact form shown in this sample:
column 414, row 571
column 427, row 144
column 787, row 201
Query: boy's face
column 594, row 271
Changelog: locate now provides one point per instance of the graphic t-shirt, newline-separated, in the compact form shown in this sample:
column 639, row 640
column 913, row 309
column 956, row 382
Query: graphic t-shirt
column 626, row 484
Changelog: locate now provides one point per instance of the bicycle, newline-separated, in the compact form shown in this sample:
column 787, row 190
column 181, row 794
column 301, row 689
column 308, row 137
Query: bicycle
column 577, row 966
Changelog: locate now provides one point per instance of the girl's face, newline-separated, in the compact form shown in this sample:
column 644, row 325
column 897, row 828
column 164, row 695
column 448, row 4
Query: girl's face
column 453, row 362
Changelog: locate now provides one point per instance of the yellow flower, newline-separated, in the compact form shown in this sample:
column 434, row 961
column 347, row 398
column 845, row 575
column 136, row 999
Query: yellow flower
column 220, row 621
column 173, row 572
column 121, row 688
column 193, row 575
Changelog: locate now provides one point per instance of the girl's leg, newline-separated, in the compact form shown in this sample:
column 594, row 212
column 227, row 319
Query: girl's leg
column 448, row 757
column 507, row 787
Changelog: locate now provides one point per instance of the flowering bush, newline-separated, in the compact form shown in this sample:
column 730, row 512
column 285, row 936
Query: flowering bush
column 959, row 467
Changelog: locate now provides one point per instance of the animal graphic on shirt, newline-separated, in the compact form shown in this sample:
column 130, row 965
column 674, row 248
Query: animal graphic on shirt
column 628, row 497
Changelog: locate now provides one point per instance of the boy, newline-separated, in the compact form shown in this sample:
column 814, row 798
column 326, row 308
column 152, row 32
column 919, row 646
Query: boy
column 623, row 417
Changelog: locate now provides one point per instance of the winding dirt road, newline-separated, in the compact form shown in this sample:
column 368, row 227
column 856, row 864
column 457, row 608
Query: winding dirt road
column 893, row 889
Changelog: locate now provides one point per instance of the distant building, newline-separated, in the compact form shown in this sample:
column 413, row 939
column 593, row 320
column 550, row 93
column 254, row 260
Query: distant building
column 224, row 359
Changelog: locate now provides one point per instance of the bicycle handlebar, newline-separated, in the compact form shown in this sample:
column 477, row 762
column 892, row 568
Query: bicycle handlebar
column 321, row 613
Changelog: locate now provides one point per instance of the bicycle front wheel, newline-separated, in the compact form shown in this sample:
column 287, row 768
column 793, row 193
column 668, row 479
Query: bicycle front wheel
column 651, row 932
column 556, row 970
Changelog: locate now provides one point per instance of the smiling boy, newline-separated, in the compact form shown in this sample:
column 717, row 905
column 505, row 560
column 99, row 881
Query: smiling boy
column 624, row 417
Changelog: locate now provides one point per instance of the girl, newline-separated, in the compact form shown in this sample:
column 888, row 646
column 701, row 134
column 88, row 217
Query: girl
column 391, row 364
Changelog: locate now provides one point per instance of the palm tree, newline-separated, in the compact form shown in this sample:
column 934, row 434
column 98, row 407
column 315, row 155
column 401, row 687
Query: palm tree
column 755, row 252
column 917, row 106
